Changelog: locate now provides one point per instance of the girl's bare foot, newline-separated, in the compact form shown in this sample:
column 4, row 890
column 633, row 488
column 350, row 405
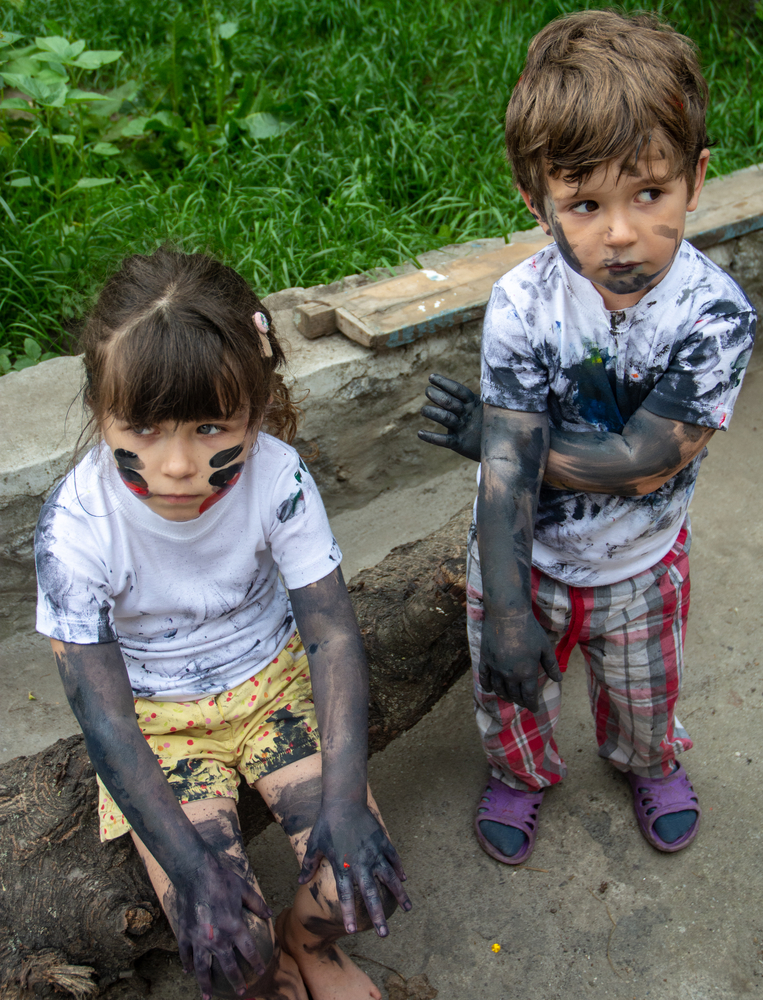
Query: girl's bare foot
column 327, row 971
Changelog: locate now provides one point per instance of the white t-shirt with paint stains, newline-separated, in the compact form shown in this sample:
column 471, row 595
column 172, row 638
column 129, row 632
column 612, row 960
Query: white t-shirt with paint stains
column 549, row 344
column 197, row 606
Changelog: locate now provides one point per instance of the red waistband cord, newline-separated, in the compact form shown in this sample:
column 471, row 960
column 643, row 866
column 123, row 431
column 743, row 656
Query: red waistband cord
column 673, row 554
column 577, row 619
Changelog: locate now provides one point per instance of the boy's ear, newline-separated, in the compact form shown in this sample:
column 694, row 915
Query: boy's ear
column 699, row 179
column 534, row 211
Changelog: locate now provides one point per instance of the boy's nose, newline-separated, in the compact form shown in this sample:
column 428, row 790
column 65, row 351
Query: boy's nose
column 620, row 230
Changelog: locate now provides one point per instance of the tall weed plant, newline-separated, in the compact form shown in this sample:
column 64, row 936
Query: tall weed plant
column 301, row 139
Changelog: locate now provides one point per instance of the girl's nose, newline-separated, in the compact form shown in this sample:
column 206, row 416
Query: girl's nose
column 178, row 461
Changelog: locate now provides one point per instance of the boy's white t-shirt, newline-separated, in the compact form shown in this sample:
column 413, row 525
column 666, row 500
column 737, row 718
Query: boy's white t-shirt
column 197, row 606
column 549, row 344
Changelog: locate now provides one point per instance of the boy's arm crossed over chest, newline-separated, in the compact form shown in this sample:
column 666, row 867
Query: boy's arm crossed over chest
column 649, row 452
column 514, row 452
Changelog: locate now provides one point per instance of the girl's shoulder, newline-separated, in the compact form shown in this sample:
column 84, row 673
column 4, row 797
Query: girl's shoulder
column 273, row 450
column 272, row 458
column 84, row 490
column 74, row 522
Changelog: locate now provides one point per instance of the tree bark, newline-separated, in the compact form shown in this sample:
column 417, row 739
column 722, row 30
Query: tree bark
column 75, row 914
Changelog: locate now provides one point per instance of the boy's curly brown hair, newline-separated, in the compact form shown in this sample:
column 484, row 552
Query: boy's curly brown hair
column 600, row 87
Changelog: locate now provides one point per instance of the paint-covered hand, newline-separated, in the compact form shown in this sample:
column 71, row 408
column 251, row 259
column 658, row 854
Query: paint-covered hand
column 511, row 652
column 460, row 411
column 211, row 923
column 352, row 840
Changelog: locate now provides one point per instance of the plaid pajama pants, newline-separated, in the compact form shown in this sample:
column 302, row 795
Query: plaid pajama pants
column 631, row 635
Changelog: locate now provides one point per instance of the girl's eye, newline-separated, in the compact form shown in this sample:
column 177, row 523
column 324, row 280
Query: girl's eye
column 584, row 207
column 648, row 196
column 143, row 431
column 209, row 429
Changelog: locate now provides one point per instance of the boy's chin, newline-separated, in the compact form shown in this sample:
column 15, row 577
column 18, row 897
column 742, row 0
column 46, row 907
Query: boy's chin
column 625, row 291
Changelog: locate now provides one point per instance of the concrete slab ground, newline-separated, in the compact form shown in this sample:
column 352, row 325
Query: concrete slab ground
column 597, row 913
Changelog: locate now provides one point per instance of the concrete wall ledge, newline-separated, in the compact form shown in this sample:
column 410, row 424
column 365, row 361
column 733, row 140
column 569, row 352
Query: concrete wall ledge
column 361, row 409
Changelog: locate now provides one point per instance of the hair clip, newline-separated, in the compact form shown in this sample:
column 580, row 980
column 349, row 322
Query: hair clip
column 262, row 325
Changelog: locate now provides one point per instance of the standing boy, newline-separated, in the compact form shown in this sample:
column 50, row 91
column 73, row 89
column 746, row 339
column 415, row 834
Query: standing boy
column 608, row 360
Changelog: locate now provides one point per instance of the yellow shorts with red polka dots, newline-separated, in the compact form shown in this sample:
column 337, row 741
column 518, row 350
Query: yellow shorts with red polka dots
column 260, row 726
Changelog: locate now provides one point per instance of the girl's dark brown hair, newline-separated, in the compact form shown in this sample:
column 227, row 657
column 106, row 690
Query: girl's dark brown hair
column 171, row 338
column 599, row 87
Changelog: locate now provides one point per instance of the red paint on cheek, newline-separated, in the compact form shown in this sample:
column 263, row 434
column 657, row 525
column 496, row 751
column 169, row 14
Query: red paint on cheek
column 139, row 491
column 210, row 501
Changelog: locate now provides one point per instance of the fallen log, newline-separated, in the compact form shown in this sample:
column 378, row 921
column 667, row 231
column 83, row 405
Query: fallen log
column 76, row 914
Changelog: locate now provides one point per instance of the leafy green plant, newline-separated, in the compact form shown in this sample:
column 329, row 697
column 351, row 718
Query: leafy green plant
column 32, row 355
column 48, row 73
column 300, row 139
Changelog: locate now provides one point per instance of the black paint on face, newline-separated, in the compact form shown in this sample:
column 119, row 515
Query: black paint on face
column 224, row 478
column 628, row 284
column 667, row 232
column 622, row 284
column 127, row 463
column 565, row 248
column 223, row 457
column 127, row 459
column 223, row 481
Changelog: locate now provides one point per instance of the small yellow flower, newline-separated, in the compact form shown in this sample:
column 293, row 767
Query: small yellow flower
column 495, row 947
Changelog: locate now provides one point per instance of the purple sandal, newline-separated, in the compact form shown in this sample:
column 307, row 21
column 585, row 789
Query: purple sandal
column 506, row 805
column 664, row 795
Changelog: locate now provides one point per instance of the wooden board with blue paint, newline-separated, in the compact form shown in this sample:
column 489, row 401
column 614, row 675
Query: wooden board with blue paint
column 400, row 310
column 728, row 206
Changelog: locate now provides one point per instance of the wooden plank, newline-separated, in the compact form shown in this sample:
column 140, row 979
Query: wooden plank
column 728, row 206
column 400, row 310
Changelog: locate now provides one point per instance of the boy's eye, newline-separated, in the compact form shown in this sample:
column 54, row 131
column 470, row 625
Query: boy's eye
column 649, row 195
column 143, row 431
column 209, row 429
column 584, row 207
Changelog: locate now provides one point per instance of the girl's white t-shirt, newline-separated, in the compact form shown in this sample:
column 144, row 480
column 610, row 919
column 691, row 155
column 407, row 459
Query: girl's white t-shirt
column 197, row 606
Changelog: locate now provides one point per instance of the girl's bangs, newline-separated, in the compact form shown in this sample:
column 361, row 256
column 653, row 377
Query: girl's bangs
column 156, row 375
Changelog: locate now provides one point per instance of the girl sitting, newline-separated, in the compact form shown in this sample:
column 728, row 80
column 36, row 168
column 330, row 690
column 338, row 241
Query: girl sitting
column 164, row 560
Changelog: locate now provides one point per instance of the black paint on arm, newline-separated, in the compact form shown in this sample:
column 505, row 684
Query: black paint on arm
column 649, row 452
column 514, row 452
column 346, row 833
column 210, row 898
column 459, row 410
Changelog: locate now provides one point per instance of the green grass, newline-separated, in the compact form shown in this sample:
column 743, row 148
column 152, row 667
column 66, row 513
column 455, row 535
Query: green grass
column 387, row 137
